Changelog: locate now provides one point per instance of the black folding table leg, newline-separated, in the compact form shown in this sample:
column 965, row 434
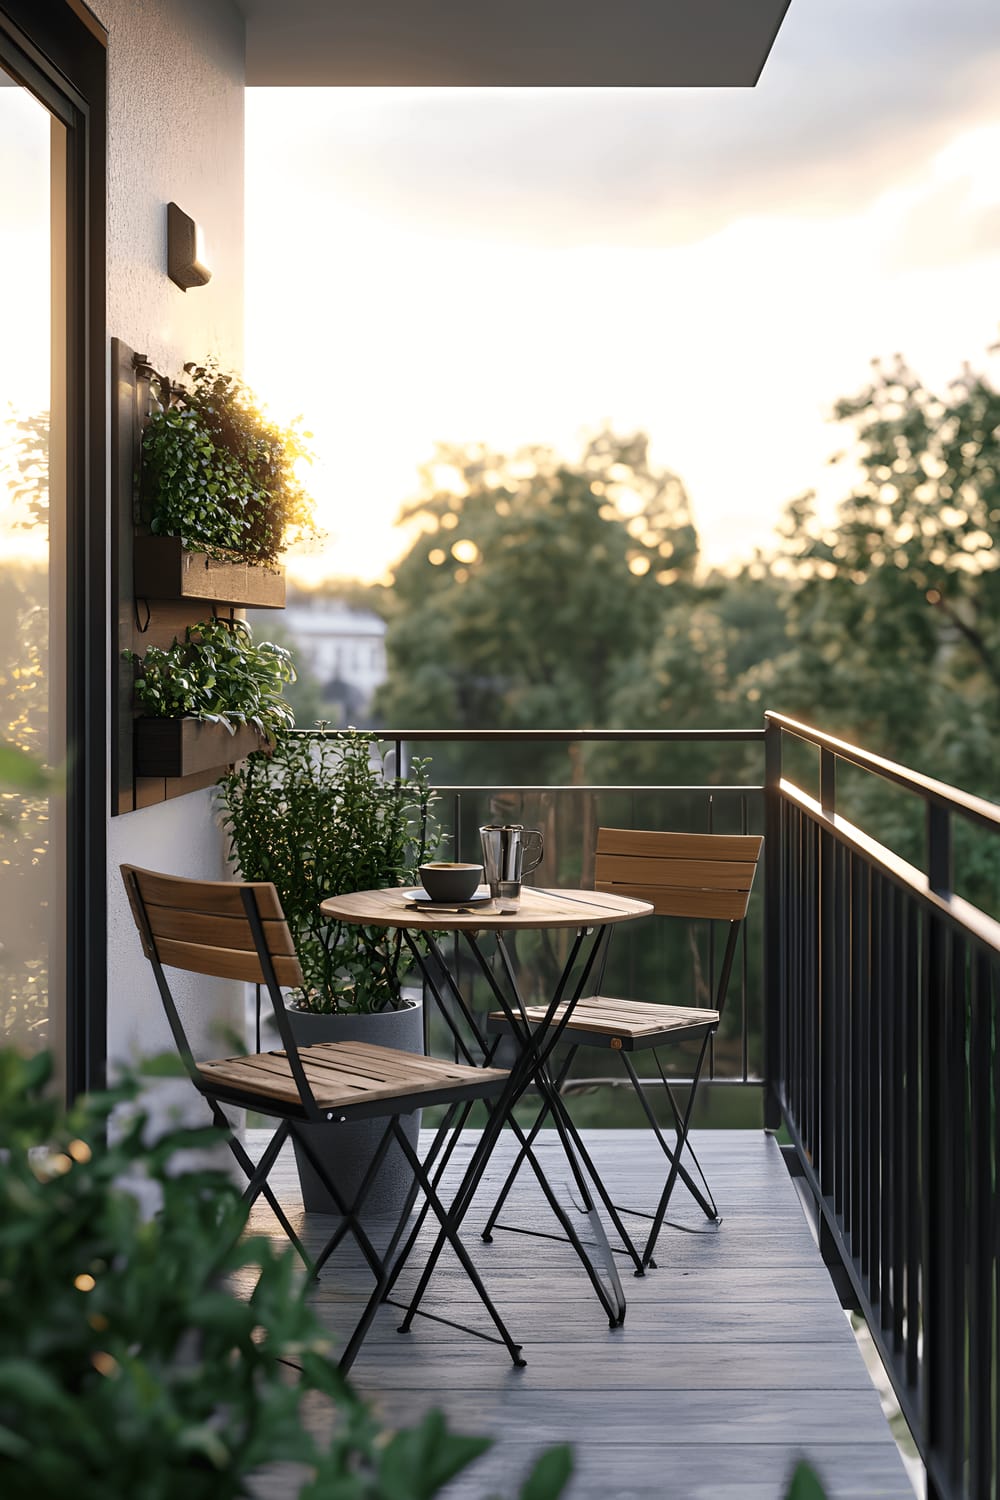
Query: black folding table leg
column 537, row 1045
column 540, row 1118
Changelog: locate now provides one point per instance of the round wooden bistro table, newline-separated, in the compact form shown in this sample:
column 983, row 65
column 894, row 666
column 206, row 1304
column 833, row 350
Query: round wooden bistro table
column 589, row 916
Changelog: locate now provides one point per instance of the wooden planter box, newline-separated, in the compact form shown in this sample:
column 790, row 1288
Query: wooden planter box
column 186, row 747
column 164, row 570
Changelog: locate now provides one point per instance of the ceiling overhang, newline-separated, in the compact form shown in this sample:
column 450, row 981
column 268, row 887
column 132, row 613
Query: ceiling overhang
column 517, row 44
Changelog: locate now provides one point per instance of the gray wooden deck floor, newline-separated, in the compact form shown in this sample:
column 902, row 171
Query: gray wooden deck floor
column 735, row 1356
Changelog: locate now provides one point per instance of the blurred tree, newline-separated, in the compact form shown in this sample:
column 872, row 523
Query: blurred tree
column 895, row 621
column 532, row 585
column 894, row 609
column 700, row 672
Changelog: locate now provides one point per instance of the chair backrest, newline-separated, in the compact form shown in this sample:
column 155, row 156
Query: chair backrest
column 229, row 929
column 682, row 874
column 207, row 926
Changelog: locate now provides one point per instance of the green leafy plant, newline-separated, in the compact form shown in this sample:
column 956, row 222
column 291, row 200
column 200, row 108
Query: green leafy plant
column 218, row 473
column 805, row 1484
column 216, row 673
column 127, row 1365
column 320, row 817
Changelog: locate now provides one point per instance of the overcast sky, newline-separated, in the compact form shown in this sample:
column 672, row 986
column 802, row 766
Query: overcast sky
column 716, row 266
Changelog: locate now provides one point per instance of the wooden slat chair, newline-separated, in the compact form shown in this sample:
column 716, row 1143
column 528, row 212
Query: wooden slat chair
column 688, row 875
column 238, row 931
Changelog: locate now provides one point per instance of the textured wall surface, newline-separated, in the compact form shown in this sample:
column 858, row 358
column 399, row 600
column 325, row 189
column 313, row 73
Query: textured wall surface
column 175, row 132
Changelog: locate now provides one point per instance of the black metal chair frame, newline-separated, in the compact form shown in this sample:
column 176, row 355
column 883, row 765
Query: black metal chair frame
column 386, row 1266
column 622, row 1046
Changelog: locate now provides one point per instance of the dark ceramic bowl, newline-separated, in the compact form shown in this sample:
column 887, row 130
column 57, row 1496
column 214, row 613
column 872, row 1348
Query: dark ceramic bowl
column 446, row 881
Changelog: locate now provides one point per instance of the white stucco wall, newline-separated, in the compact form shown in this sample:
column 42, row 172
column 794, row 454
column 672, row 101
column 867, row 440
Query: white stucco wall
column 175, row 132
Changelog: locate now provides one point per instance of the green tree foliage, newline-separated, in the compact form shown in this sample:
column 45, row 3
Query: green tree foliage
column 894, row 611
column 700, row 671
column 531, row 586
column 902, row 587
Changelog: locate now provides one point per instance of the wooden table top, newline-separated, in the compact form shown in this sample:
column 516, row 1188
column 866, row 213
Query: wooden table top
column 539, row 908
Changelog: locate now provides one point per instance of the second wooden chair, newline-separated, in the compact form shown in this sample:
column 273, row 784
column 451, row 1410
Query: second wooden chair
column 687, row 875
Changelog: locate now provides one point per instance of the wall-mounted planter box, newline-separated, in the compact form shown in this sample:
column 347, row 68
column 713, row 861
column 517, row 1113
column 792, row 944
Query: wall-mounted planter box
column 185, row 747
column 162, row 569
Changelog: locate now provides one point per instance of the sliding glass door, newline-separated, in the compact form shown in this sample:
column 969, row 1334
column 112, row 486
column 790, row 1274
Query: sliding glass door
column 53, row 537
column 32, row 571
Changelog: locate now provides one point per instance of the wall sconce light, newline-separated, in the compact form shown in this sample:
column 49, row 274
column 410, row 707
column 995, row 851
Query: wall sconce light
column 185, row 250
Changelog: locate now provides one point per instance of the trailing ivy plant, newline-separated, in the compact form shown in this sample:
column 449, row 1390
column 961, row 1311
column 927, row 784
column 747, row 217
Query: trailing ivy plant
column 128, row 1365
column 219, row 474
column 321, row 816
column 216, row 673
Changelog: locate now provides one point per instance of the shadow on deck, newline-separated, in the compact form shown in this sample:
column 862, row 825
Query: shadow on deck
column 734, row 1360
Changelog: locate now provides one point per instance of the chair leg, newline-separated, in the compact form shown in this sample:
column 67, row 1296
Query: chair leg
column 350, row 1222
column 257, row 1174
column 683, row 1125
column 390, row 1269
column 704, row 1200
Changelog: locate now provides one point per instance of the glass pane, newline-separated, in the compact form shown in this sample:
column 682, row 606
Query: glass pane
column 32, row 571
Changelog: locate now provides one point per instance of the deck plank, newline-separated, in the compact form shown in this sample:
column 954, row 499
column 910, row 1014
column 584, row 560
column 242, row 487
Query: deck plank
column 735, row 1359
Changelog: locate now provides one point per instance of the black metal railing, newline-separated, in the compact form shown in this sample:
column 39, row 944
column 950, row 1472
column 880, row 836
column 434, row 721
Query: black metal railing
column 882, row 1047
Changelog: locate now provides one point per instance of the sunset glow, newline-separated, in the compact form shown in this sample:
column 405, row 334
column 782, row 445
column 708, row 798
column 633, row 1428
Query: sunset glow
column 429, row 302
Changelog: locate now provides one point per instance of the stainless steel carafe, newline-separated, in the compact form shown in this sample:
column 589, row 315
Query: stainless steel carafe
column 510, row 851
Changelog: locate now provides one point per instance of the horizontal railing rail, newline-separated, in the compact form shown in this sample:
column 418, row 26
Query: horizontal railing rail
column 882, row 1046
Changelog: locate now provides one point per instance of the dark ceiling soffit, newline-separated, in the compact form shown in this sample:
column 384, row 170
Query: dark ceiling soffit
column 520, row 44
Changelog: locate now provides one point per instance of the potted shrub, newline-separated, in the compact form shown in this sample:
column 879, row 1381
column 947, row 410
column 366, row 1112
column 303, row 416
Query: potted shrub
column 219, row 493
column 320, row 816
column 208, row 700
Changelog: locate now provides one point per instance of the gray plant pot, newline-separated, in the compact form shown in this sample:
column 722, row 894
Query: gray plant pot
column 346, row 1149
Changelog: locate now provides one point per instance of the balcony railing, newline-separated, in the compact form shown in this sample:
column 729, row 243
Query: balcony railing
column 883, row 1061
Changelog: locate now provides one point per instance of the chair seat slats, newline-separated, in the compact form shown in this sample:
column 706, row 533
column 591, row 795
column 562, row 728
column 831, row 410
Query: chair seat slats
column 344, row 1073
column 390, row 1061
column 634, row 1018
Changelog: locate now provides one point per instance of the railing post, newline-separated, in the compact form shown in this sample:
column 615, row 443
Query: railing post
column 775, row 976
column 827, row 1082
column 940, row 859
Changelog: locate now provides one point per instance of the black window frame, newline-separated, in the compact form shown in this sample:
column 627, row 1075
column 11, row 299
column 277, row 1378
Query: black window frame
column 58, row 51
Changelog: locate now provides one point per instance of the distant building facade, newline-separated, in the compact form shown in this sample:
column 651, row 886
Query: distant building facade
column 343, row 648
